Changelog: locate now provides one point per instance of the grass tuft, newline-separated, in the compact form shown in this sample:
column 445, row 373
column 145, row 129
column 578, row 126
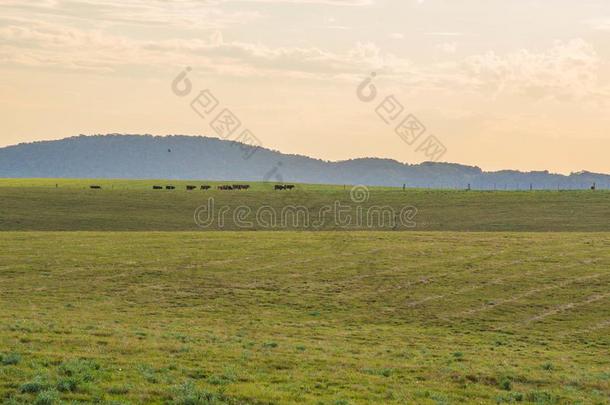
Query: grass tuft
column 37, row 385
column 189, row 394
column 48, row 397
column 10, row 359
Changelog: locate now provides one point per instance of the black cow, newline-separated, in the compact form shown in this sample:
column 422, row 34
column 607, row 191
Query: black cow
column 206, row 187
column 289, row 186
column 190, row 188
column 170, row 187
column 280, row 187
column 157, row 187
column 95, row 187
column 225, row 187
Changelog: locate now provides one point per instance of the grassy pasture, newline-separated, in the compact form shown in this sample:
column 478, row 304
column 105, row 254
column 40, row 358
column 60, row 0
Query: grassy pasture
column 127, row 184
column 333, row 317
column 132, row 205
column 305, row 317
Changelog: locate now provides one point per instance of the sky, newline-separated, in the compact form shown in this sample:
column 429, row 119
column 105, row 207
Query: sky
column 500, row 84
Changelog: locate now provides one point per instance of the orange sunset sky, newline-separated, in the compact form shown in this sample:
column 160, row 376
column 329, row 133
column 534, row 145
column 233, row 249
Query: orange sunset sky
column 520, row 84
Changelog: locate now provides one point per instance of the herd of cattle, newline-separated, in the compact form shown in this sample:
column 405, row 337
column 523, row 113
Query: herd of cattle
column 234, row 187
column 221, row 187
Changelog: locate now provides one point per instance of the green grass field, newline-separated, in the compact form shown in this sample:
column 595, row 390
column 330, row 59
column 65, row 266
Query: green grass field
column 429, row 316
column 124, row 205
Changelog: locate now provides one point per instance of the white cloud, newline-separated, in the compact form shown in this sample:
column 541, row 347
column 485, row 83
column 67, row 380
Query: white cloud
column 40, row 44
column 178, row 13
column 566, row 70
column 447, row 47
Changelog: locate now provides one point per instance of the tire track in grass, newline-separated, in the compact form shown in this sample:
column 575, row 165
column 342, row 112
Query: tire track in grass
column 424, row 279
column 599, row 326
column 526, row 294
column 428, row 278
column 412, row 304
column 564, row 308
column 556, row 310
column 497, row 281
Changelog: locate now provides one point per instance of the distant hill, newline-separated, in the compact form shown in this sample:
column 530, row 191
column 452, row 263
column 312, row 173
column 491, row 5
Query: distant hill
column 188, row 157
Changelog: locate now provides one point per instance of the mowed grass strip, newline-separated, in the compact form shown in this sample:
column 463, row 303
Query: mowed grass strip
column 132, row 205
column 289, row 317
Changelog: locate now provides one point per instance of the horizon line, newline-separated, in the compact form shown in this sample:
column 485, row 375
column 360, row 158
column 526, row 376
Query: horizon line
column 582, row 171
